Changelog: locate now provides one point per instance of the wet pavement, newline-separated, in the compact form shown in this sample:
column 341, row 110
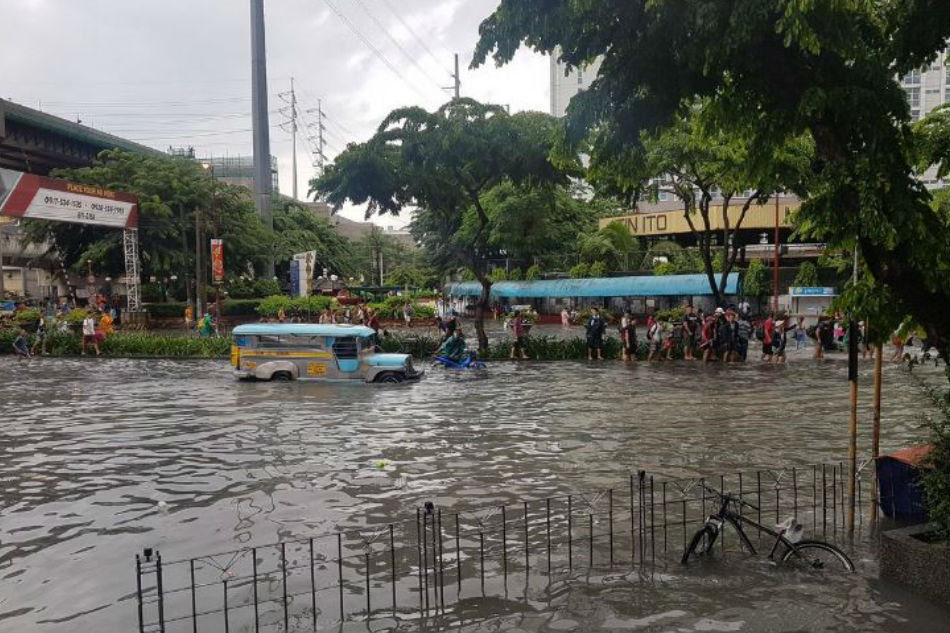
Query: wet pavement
column 101, row 457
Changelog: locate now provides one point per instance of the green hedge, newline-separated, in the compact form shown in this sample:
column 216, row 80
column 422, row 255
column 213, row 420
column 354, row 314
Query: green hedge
column 229, row 307
column 166, row 310
column 314, row 305
column 122, row 344
column 538, row 347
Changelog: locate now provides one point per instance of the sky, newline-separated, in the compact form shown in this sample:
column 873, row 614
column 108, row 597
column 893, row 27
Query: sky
column 177, row 72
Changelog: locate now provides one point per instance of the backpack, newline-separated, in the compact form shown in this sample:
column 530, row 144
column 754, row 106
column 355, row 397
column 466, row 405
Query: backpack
column 760, row 333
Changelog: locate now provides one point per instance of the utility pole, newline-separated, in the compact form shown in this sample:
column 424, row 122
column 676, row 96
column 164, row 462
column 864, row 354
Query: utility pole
column 456, row 80
column 199, row 276
column 290, row 98
column 320, row 159
column 263, row 178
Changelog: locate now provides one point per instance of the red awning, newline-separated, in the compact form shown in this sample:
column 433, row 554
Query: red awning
column 912, row 455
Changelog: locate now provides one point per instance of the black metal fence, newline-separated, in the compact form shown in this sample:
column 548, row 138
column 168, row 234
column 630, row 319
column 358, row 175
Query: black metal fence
column 420, row 568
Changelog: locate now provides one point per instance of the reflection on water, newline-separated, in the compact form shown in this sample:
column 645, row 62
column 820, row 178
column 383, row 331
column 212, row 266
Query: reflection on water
column 99, row 458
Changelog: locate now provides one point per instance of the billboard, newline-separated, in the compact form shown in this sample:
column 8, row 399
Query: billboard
column 759, row 216
column 38, row 197
column 217, row 260
column 305, row 262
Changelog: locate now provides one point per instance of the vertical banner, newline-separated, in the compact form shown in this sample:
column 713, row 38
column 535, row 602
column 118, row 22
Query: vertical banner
column 217, row 261
column 294, row 278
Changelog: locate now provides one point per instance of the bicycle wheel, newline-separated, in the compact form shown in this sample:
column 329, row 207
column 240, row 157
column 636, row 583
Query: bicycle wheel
column 701, row 543
column 817, row 556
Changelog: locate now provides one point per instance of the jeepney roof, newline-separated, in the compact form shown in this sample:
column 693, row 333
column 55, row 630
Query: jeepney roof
column 303, row 329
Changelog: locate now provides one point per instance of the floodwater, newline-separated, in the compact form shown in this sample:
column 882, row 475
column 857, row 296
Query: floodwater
column 100, row 458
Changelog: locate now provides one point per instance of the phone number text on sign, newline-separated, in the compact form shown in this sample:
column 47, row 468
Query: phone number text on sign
column 53, row 205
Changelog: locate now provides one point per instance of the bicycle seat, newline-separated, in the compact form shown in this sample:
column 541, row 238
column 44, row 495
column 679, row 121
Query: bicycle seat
column 791, row 529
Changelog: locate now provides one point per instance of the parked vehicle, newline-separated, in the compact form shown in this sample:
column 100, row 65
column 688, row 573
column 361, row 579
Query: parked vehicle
column 309, row 351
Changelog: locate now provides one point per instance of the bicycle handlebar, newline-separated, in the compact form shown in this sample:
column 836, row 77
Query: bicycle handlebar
column 729, row 497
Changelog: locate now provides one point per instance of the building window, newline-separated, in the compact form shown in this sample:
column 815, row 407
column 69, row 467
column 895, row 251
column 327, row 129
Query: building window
column 912, row 78
column 946, row 95
column 913, row 97
column 580, row 77
column 914, row 114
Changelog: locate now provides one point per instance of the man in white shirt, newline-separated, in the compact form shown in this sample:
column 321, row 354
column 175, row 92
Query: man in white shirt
column 89, row 334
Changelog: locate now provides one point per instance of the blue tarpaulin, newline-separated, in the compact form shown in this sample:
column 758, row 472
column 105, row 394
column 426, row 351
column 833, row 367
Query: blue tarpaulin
column 644, row 286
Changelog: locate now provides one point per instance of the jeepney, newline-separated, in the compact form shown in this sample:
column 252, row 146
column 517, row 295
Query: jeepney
column 310, row 351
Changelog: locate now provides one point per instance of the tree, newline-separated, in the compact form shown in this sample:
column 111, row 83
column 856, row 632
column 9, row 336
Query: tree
column 443, row 164
column 173, row 192
column 807, row 275
column 770, row 70
column 535, row 223
column 613, row 244
column 697, row 162
column 375, row 253
column 297, row 230
column 755, row 282
column 533, row 273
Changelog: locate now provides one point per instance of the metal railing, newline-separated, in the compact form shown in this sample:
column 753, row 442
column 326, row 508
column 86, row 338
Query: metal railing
column 420, row 568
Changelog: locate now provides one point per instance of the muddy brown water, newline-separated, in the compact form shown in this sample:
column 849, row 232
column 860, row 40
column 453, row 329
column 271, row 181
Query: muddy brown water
column 99, row 458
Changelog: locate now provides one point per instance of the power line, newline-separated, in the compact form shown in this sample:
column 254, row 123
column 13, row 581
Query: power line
column 415, row 36
column 396, row 43
column 379, row 55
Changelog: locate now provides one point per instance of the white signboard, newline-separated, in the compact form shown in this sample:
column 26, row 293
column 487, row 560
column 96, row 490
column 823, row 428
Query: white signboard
column 38, row 197
column 306, row 261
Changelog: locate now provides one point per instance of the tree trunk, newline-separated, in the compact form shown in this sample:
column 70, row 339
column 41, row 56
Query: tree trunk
column 481, row 308
column 184, row 250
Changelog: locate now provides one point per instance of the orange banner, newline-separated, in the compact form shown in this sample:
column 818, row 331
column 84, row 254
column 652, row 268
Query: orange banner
column 217, row 260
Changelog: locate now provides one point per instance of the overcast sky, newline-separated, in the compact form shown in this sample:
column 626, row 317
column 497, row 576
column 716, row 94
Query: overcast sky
column 177, row 72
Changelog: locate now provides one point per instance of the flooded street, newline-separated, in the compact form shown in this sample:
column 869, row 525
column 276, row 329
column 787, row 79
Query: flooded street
column 100, row 458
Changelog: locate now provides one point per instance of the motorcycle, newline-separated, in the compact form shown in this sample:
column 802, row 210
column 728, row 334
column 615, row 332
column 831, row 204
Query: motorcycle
column 470, row 361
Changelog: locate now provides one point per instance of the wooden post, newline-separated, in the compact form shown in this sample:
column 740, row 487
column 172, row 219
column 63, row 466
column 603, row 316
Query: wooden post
column 876, row 428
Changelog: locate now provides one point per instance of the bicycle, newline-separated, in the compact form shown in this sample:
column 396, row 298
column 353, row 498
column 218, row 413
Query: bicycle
column 806, row 553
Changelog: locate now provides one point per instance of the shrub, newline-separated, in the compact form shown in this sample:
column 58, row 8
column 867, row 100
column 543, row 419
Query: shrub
column 151, row 291
column 580, row 271
column 239, row 307
column 665, row 268
column 75, row 316
column 673, row 314
column 130, row 344
column 28, row 316
column 807, row 275
column 166, row 310
column 533, row 272
column 936, row 479
column 514, row 274
column 498, row 274
column 270, row 306
column 598, row 269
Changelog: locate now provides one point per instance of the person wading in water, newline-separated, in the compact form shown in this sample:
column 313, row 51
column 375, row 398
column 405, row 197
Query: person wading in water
column 595, row 335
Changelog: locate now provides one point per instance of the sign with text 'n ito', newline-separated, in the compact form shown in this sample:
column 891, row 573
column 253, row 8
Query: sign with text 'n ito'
column 758, row 216
column 41, row 198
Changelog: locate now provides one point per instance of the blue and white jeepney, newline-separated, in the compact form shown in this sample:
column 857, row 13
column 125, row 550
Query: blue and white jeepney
column 310, row 351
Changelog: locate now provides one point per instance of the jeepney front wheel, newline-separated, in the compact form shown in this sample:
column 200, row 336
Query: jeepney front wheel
column 390, row 377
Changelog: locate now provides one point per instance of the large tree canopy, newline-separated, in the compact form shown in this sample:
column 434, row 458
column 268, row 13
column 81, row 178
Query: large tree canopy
column 776, row 69
column 443, row 164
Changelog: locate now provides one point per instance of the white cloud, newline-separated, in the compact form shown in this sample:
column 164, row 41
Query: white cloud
column 178, row 72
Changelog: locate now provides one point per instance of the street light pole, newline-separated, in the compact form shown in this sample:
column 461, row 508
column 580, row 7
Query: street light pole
column 775, row 276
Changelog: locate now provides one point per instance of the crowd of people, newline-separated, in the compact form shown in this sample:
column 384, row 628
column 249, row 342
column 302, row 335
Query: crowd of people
column 97, row 324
